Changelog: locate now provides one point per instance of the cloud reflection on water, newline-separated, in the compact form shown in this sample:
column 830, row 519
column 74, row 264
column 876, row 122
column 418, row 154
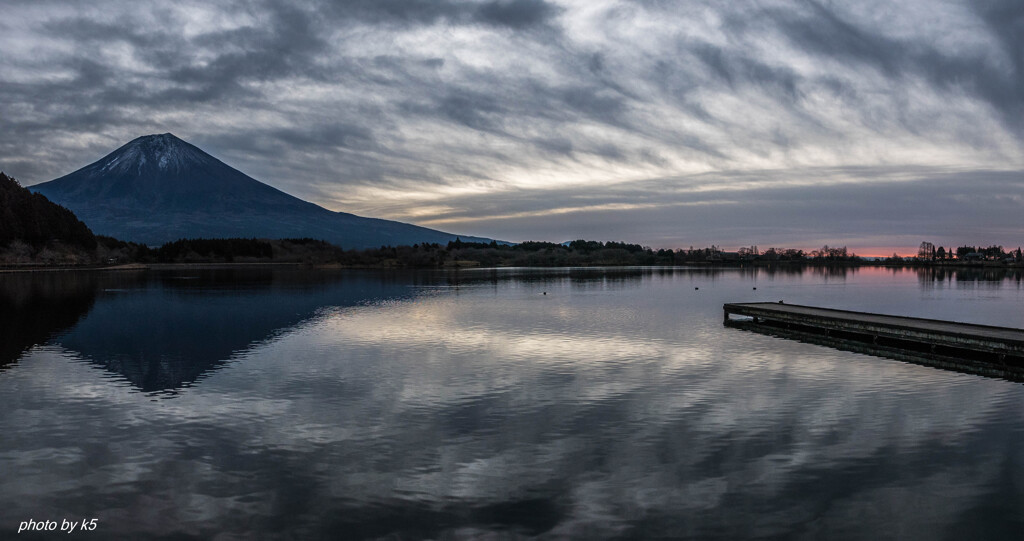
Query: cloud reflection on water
column 592, row 411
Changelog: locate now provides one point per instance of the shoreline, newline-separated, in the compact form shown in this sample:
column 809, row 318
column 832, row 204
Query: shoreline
column 136, row 267
column 142, row 267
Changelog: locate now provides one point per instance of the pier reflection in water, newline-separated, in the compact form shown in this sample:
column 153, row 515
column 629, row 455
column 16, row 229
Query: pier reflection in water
column 596, row 403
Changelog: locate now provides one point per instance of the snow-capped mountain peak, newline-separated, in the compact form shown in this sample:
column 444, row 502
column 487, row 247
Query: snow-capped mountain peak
column 163, row 151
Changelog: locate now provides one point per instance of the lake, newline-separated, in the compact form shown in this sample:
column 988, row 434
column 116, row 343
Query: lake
column 510, row 403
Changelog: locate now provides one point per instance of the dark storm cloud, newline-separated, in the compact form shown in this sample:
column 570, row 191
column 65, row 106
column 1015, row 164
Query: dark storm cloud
column 1006, row 19
column 285, row 47
column 515, row 14
column 472, row 109
column 393, row 11
column 327, row 137
column 735, row 70
column 593, row 102
column 529, row 100
column 820, row 30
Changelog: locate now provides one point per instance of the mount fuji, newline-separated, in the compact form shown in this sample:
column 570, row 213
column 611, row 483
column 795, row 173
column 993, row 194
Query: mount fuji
column 158, row 189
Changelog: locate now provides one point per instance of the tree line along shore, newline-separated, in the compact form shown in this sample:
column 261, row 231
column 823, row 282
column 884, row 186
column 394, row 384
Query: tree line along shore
column 36, row 233
column 458, row 254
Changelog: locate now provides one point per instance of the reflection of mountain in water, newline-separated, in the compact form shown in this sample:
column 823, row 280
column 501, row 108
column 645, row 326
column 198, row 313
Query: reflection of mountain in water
column 34, row 307
column 167, row 331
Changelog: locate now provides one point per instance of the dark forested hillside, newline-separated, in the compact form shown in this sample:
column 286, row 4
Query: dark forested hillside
column 31, row 219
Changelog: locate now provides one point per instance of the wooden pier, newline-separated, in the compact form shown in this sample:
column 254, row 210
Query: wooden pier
column 965, row 347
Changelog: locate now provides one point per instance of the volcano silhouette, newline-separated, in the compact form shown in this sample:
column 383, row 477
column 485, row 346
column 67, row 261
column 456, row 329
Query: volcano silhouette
column 158, row 189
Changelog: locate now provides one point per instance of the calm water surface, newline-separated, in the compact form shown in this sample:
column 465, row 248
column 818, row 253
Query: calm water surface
column 563, row 403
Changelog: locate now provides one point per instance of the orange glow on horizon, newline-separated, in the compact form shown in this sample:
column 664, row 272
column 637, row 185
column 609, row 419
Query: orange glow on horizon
column 871, row 251
column 887, row 252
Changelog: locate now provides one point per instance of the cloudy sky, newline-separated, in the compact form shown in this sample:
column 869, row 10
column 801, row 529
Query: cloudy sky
column 871, row 124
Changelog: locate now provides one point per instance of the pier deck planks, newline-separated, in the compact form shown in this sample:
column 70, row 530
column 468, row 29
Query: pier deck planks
column 962, row 346
column 767, row 309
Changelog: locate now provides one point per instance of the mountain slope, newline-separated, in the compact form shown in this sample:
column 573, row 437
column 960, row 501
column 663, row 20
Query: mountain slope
column 158, row 189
